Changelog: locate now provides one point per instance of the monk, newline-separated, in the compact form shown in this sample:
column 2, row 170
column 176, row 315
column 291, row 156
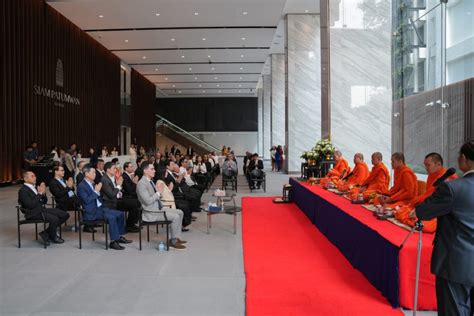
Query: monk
column 434, row 167
column 339, row 171
column 376, row 183
column 357, row 176
column 405, row 185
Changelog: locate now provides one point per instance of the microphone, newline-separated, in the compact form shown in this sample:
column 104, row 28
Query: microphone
column 446, row 175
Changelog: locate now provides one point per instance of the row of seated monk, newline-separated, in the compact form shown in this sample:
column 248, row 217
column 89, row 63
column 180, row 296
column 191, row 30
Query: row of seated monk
column 373, row 186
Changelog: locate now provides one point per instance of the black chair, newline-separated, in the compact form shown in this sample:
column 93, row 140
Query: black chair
column 261, row 180
column 94, row 223
column 29, row 221
column 232, row 180
column 75, row 210
column 142, row 223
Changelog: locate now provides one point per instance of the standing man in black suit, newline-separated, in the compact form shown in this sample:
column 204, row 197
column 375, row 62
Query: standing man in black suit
column 113, row 197
column 32, row 200
column 453, row 255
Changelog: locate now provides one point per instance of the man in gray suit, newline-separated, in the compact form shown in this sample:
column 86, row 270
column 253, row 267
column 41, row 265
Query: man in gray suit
column 149, row 195
column 453, row 255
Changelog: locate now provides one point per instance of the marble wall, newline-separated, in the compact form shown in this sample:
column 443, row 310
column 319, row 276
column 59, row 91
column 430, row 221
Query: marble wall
column 361, row 95
column 303, row 93
column 267, row 102
column 278, row 99
column 260, row 122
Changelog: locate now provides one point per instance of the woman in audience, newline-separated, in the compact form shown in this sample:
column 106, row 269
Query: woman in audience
column 105, row 152
column 114, row 152
column 200, row 171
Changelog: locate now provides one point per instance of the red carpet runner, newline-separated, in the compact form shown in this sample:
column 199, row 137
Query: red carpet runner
column 292, row 269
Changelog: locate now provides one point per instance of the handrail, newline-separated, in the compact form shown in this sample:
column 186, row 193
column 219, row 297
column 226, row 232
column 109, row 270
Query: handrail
column 162, row 121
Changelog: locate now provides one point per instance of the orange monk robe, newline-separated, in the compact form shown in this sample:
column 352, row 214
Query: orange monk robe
column 376, row 183
column 359, row 175
column 405, row 188
column 403, row 213
column 335, row 173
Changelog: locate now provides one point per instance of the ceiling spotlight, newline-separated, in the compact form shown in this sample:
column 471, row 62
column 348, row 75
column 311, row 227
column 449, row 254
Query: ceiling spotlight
column 172, row 39
column 241, row 68
column 166, row 78
column 306, row 11
column 101, row 16
column 126, row 41
column 203, row 38
column 203, row 91
column 208, row 56
column 245, row 13
column 190, row 68
column 182, row 56
column 217, row 85
column 157, row 14
column 241, row 56
column 144, row 57
column 243, row 38
column 156, row 69
column 219, row 91
column 196, row 13
column 200, row 85
column 174, row 86
column 212, row 68
column 179, row 91
column 215, row 78
column 240, row 85
column 240, row 91
column 240, row 78
column 195, row 78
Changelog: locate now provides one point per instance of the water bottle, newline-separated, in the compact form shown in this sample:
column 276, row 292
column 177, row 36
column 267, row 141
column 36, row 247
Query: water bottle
column 161, row 246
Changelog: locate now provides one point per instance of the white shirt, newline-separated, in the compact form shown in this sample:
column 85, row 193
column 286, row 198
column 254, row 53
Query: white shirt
column 200, row 168
column 119, row 194
column 182, row 170
column 32, row 187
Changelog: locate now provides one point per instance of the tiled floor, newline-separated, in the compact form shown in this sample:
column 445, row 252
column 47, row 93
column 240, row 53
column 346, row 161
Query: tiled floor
column 206, row 279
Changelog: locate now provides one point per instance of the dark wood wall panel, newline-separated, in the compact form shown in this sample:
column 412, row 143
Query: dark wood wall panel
column 34, row 36
column 143, row 120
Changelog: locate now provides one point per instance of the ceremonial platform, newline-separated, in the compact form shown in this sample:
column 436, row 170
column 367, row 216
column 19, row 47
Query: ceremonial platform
column 372, row 246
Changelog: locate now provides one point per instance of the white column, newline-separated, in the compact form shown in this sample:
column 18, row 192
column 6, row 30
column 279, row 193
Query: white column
column 267, row 96
column 278, row 99
column 260, row 122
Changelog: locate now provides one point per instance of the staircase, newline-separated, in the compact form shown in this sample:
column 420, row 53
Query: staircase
column 182, row 137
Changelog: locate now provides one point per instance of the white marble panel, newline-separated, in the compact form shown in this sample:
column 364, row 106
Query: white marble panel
column 267, row 101
column 260, row 122
column 303, row 104
column 361, row 94
column 278, row 99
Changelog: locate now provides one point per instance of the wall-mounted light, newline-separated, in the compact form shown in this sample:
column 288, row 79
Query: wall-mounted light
column 429, row 103
column 397, row 114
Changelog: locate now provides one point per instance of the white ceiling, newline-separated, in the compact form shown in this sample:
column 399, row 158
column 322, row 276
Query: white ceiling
column 170, row 41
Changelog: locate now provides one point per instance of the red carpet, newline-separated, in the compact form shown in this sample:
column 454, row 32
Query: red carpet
column 292, row 269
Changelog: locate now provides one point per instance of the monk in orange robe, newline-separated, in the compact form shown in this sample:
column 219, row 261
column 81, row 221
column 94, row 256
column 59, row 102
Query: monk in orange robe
column 357, row 176
column 405, row 185
column 376, row 183
column 341, row 169
column 434, row 167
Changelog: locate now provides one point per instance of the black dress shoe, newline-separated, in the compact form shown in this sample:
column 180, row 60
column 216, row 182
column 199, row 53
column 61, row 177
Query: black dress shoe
column 44, row 237
column 115, row 245
column 89, row 229
column 58, row 240
column 123, row 240
column 184, row 229
column 133, row 229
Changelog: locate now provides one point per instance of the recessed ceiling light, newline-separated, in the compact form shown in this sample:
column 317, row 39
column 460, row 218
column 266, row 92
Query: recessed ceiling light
column 156, row 69
column 174, row 86
column 245, row 13
column 203, row 91
column 157, row 14
column 144, row 57
column 182, row 56
column 241, row 56
column 241, row 68
column 166, row 78
column 243, row 38
column 195, row 78
column 196, row 13
column 215, row 78
column 190, row 68
column 203, row 38
column 172, row 39
column 306, row 11
column 240, row 85
column 219, row 91
column 179, row 91
column 208, row 56
column 126, row 41
column 212, row 68
column 200, row 85
column 217, row 85
column 101, row 16
column 240, row 78
column 240, row 91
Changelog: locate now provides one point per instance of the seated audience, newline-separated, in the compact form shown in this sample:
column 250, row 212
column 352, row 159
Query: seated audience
column 100, row 171
column 79, row 175
column 149, row 195
column 94, row 209
column 376, row 183
column 255, row 171
column 32, row 200
column 229, row 167
column 63, row 190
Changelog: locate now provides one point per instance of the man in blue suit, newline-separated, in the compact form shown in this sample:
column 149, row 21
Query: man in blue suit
column 453, row 255
column 89, row 194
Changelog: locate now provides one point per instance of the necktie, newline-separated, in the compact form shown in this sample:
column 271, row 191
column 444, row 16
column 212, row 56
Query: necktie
column 160, row 206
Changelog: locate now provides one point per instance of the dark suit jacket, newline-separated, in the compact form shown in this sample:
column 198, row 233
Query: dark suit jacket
column 129, row 187
column 32, row 204
column 98, row 177
column 109, row 192
column 88, row 199
column 60, row 193
column 79, row 178
column 453, row 254
column 139, row 173
column 252, row 165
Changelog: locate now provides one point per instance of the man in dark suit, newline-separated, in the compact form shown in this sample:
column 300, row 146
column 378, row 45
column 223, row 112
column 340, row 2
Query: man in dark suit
column 94, row 208
column 113, row 197
column 139, row 170
column 80, row 175
column 100, row 171
column 255, row 170
column 453, row 255
column 63, row 190
column 32, row 200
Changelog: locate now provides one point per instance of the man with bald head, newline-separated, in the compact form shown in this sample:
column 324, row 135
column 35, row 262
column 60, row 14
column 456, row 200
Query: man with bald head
column 377, row 182
column 340, row 170
column 357, row 176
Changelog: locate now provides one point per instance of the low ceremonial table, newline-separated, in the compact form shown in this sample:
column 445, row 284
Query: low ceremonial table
column 372, row 246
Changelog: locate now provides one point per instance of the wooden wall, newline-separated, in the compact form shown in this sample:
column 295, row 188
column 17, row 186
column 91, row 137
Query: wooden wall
column 143, row 99
column 34, row 36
